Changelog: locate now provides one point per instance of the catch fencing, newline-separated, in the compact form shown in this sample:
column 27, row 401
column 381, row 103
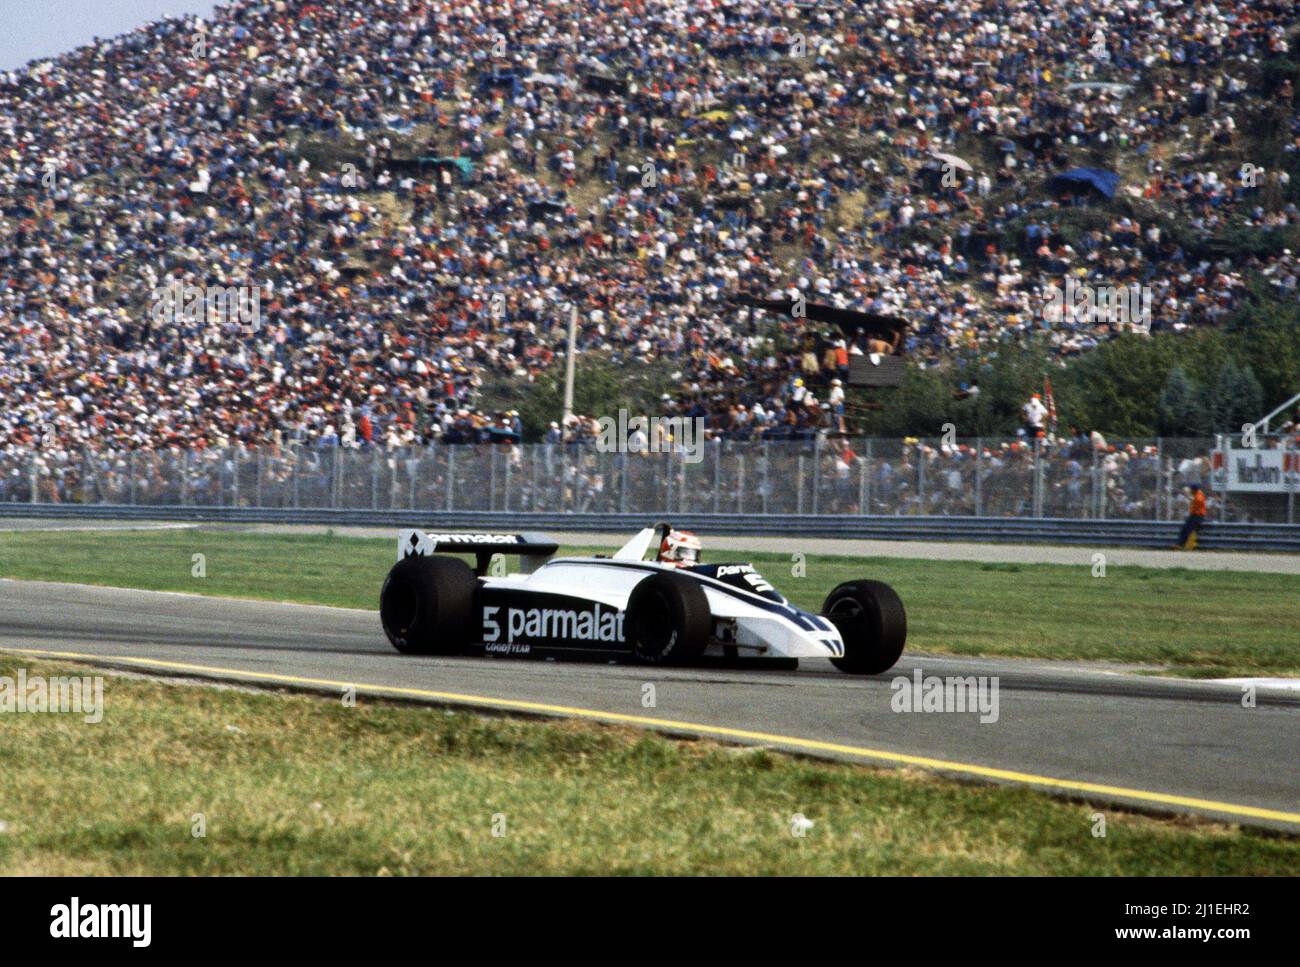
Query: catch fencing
column 1136, row 480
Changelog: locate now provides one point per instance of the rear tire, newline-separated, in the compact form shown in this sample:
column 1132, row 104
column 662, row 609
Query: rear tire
column 668, row 620
column 871, row 620
column 427, row 603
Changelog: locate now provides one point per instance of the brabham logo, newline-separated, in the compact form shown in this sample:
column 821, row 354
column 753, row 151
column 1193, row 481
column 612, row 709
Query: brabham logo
column 474, row 538
column 550, row 624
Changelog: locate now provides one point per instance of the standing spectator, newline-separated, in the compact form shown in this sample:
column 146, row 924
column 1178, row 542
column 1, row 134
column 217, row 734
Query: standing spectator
column 1035, row 412
column 1195, row 518
column 837, row 404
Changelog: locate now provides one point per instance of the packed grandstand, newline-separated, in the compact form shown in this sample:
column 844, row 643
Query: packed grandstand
column 417, row 191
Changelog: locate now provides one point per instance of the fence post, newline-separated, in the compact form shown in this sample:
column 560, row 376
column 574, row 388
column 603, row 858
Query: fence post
column 296, row 450
column 1167, row 498
column 862, row 486
column 681, row 490
column 257, row 480
column 451, row 474
column 32, row 497
column 799, row 485
column 1042, row 477
column 1220, row 439
column 866, row 504
column 717, row 471
column 1098, row 487
column 767, row 471
column 920, row 477
column 510, row 476
column 87, row 471
column 564, row 477
column 1288, row 454
column 344, row 501
column 533, row 450
column 336, row 478
column 668, row 499
column 1169, row 490
column 1160, row 478
column 817, row 470
column 683, row 502
column 1037, row 488
column 979, row 482
column 740, row 478
column 622, row 482
column 492, row 478
column 374, row 476
column 185, row 475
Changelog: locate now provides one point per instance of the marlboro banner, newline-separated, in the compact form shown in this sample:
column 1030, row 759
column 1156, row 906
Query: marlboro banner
column 1258, row 471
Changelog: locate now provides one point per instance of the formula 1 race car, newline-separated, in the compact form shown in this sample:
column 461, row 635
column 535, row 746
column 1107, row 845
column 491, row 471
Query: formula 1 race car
column 665, row 611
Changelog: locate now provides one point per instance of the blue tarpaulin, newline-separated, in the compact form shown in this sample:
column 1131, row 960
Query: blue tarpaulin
column 1077, row 179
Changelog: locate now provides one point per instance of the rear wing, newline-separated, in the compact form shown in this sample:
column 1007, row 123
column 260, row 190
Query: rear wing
column 533, row 549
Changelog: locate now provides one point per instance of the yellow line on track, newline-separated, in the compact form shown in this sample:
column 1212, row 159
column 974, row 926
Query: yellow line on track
column 1074, row 786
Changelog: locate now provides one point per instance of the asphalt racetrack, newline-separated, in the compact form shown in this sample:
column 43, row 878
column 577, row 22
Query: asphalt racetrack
column 1079, row 731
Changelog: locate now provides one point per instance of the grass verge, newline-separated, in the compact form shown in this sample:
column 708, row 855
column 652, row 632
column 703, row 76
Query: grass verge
column 300, row 785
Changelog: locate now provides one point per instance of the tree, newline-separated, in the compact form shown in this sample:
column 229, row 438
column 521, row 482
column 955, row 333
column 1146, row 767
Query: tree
column 1265, row 333
column 1116, row 387
column 920, row 406
column 1235, row 398
column 1179, row 410
column 600, row 387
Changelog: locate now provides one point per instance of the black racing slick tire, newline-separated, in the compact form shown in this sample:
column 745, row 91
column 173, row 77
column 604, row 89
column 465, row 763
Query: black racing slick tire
column 427, row 604
column 871, row 620
column 668, row 620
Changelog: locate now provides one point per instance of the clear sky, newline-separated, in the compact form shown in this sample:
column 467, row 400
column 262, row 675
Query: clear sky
column 32, row 29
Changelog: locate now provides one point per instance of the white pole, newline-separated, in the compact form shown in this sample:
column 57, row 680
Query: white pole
column 568, row 365
column 1261, row 425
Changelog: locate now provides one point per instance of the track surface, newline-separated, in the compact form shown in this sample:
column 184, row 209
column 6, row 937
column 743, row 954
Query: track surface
column 1156, row 743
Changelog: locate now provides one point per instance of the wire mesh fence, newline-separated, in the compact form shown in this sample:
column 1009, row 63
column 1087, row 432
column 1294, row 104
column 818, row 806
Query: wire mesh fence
column 1135, row 479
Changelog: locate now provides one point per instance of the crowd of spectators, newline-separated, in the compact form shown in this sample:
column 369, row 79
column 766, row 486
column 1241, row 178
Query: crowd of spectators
column 418, row 190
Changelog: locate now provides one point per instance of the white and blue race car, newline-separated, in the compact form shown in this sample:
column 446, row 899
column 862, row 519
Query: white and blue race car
column 622, row 607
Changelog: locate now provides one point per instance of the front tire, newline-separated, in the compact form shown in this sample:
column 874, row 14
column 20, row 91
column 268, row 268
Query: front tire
column 427, row 603
column 668, row 619
column 871, row 620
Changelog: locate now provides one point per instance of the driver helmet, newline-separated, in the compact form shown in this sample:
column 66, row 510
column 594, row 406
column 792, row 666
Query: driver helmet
column 680, row 549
